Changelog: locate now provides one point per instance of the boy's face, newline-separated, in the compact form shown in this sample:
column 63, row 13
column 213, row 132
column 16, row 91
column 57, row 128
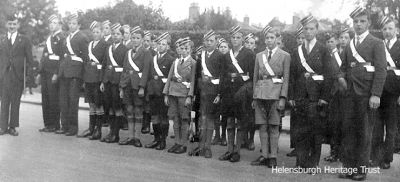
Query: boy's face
column 210, row 43
column 237, row 39
column 178, row 49
column 250, row 44
column 389, row 30
column 162, row 46
column 146, row 41
column 136, row 39
column 127, row 35
column 12, row 26
column 360, row 24
column 73, row 25
column 54, row 25
column 300, row 39
column 223, row 48
column 96, row 33
column 270, row 41
column 331, row 43
column 106, row 30
column 185, row 50
column 344, row 39
column 310, row 30
column 116, row 36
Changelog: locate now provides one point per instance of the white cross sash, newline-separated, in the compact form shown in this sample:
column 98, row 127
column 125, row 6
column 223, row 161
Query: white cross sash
column 337, row 57
column 133, row 65
column 358, row 57
column 113, row 62
column 156, row 67
column 389, row 59
column 307, row 67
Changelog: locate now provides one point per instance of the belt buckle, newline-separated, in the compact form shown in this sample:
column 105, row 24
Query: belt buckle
column 109, row 67
column 353, row 64
column 131, row 72
column 93, row 63
column 206, row 78
column 265, row 77
column 307, row 75
column 46, row 54
column 179, row 79
column 155, row 77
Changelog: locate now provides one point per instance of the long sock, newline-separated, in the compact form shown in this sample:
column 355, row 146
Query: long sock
column 176, row 131
column 131, row 126
column 231, row 139
column 138, row 127
column 217, row 130
column 184, row 132
column 203, row 138
column 118, row 124
column 264, row 140
column 223, row 127
column 209, row 134
column 239, row 139
column 251, row 133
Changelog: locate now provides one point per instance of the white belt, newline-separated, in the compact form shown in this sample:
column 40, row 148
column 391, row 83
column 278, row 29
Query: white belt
column 76, row 58
column 54, row 57
column 187, row 84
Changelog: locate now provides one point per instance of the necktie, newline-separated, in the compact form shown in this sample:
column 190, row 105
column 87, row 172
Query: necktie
column 269, row 55
column 388, row 45
column 358, row 41
column 182, row 61
column 10, row 39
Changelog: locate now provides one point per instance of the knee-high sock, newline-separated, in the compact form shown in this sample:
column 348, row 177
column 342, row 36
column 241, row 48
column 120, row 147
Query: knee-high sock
column 231, row 139
column 223, row 127
column 184, row 132
column 177, row 130
column 273, row 133
column 138, row 127
column 264, row 140
column 131, row 127
column 217, row 129
column 209, row 134
column 239, row 139
column 203, row 138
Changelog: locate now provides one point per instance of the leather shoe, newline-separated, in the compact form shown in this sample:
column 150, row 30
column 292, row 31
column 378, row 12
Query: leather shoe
column 292, row 153
column 127, row 141
column 359, row 177
column 3, row 132
column 251, row 146
column 112, row 139
column 260, row 161
column 60, row 131
column 12, row 132
column 152, row 145
column 105, row 138
column 207, row 153
column 173, row 148
column 385, row 165
column 84, row 134
column 136, row 142
column 145, row 130
column 161, row 145
column 70, row 133
column 225, row 157
column 272, row 163
column 180, row 150
column 47, row 130
column 194, row 152
column 235, row 157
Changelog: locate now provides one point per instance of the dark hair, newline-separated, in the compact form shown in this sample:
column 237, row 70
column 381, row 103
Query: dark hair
column 141, row 32
column 11, row 17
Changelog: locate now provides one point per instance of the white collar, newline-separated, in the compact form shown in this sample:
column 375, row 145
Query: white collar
column 55, row 33
column 273, row 50
column 107, row 37
column 334, row 50
column 392, row 41
column 161, row 55
column 13, row 36
column 362, row 36
column 72, row 34
column 311, row 43
column 186, row 58
column 209, row 53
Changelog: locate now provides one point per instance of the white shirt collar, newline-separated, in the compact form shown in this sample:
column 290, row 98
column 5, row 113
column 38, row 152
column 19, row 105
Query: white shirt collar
column 273, row 50
column 13, row 36
column 362, row 36
column 335, row 50
column 55, row 33
column 116, row 45
column 107, row 37
column 72, row 34
column 209, row 53
column 186, row 58
column 392, row 41
column 311, row 43
column 161, row 55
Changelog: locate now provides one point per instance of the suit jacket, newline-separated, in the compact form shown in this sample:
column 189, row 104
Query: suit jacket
column 246, row 59
column 156, row 86
column 130, row 77
column 92, row 74
column 303, row 86
column 187, row 70
column 14, row 56
column 360, row 81
column 280, row 65
column 109, row 74
column 52, row 66
column 214, row 64
column 336, row 67
column 392, row 83
column 68, row 67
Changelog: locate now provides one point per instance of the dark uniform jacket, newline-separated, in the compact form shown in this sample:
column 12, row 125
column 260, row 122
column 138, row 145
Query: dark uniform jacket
column 142, row 58
column 214, row 63
column 336, row 67
column 70, row 68
column 110, row 73
column 52, row 65
column 155, row 85
column 303, row 86
column 92, row 73
column 14, row 56
column 175, row 86
column 365, row 83
column 392, row 83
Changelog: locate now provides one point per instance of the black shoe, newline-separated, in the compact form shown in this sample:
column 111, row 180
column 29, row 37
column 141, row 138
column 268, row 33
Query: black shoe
column 292, row 153
column 235, row 157
column 385, row 165
column 251, row 146
column 152, row 145
column 60, row 131
column 112, row 139
column 207, row 153
column 225, row 157
column 180, row 150
column 171, row 150
column 136, row 142
column 70, row 133
column 106, row 137
column 172, row 136
column 272, row 163
column 12, row 132
column 85, row 133
column 396, row 151
column 127, row 141
column 195, row 152
column 161, row 145
column 3, row 132
column 373, row 164
column 260, row 161
column 47, row 130
column 359, row 177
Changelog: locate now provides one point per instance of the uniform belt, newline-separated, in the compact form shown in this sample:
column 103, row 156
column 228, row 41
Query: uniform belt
column 179, row 80
column 54, row 57
column 267, row 77
column 163, row 79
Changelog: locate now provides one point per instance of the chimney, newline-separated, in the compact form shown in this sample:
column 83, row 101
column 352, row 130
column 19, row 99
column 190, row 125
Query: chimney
column 246, row 20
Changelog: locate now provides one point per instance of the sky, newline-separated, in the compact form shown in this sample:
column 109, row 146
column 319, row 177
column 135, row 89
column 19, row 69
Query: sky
column 259, row 11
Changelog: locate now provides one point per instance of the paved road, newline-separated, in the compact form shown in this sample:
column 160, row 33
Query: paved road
column 35, row 156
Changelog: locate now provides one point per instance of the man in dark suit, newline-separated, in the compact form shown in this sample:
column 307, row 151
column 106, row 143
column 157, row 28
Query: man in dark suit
column 209, row 74
column 310, row 82
column 70, row 76
column 362, row 77
column 159, row 69
column 386, row 126
column 132, row 86
column 48, row 70
column 16, row 55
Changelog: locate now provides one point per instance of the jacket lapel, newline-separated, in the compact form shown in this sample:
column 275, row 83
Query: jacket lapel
column 17, row 41
column 275, row 57
column 364, row 44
